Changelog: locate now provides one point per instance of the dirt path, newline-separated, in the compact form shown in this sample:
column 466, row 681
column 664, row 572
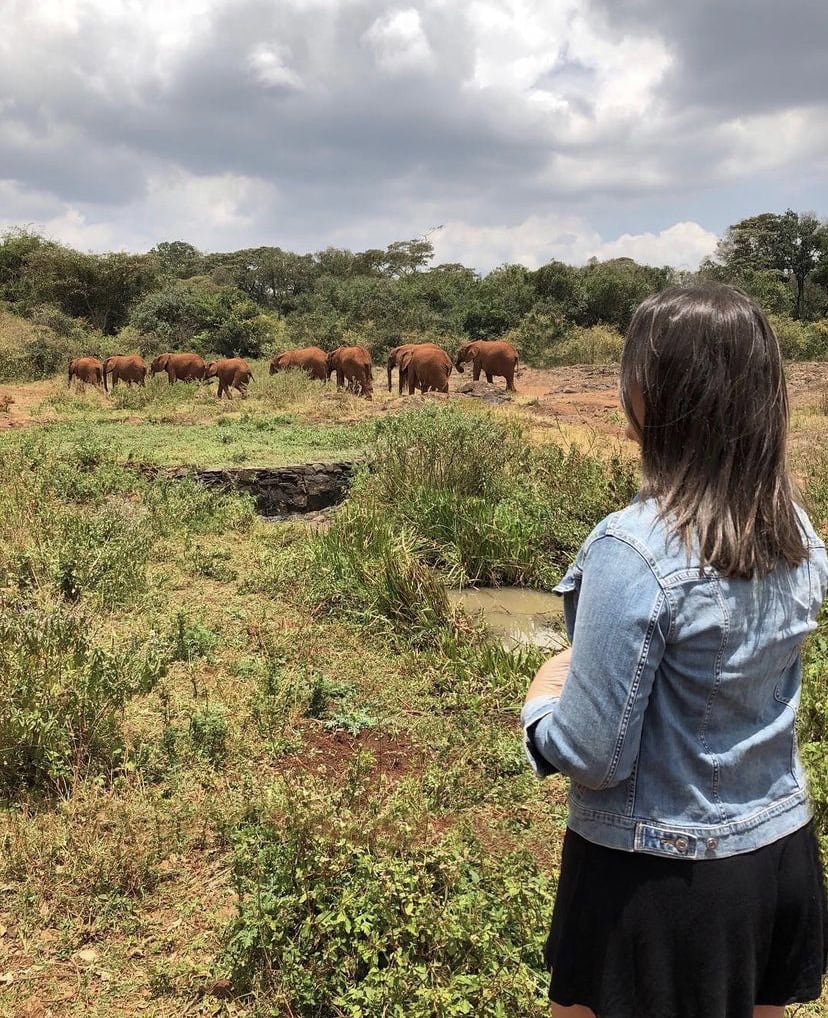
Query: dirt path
column 581, row 395
column 19, row 401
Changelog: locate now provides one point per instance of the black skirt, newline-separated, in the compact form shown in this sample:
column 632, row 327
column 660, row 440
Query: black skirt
column 638, row 936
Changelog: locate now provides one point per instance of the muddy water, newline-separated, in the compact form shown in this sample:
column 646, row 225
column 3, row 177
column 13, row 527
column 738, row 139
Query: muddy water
column 518, row 616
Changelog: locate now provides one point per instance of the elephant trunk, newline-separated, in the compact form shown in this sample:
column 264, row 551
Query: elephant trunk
column 391, row 362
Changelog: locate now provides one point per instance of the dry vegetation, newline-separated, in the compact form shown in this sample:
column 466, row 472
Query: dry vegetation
column 250, row 769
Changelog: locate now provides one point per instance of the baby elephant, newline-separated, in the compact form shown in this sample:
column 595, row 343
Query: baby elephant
column 231, row 372
column 131, row 370
column 428, row 367
column 88, row 370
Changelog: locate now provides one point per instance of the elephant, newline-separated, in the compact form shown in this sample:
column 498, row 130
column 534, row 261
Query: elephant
column 310, row 359
column 180, row 367
column 354, row 364
column 395, row 355
column 231, row 372
column 88, row 370
column 130, row 369
column 426, row 366
column 492, row 357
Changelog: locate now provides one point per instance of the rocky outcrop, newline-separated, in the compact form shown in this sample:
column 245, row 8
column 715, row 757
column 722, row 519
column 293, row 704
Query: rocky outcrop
column 305, row 488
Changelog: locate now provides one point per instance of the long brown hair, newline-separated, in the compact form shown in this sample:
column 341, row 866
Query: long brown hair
column 713, row 441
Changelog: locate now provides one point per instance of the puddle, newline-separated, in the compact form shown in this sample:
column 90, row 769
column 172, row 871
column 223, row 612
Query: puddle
column 520, row 617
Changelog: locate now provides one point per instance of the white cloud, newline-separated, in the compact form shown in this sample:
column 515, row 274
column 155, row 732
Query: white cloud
column 539, row 239
column 399, row 42
column 268, row 62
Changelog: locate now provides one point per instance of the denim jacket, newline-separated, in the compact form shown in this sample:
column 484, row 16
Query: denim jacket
column 676, row 721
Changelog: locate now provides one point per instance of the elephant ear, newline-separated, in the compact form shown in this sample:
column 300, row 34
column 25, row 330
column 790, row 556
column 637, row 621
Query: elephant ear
column 405, row 359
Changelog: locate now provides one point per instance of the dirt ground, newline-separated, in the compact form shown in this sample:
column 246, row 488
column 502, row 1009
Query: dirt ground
column 580, row 395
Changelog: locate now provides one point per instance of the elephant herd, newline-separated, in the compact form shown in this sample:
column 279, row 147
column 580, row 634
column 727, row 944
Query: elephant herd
column 179, row 367
column 420, row 365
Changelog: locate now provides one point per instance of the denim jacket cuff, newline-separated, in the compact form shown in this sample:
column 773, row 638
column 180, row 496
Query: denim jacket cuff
column 533, row 711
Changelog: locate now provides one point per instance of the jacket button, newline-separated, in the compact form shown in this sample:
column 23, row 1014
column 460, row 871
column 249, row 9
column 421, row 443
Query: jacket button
column 682, row 844
column 711, row 843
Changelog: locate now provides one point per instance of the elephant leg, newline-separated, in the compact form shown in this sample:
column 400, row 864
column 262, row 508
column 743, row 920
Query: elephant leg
column 510, row 381
column 489, row 377
column 411, row 375
column 340, row 378
column 402, row 379
column 476, row 372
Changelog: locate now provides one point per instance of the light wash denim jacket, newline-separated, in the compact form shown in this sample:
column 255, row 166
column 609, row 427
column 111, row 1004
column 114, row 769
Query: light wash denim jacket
column 676, row 721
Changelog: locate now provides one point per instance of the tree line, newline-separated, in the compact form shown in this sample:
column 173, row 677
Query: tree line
column 251, row 301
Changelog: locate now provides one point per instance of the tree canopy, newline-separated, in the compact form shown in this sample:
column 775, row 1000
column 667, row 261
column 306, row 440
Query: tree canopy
column 244, row 301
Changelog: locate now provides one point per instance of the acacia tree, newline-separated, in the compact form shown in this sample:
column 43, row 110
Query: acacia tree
column 793, row 244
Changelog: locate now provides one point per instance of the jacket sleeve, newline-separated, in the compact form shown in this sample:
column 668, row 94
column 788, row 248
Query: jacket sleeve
column 592, row 732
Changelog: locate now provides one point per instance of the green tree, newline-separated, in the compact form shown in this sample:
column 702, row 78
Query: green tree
column 562, row 284
column 178, row 258
column 503, row 298
column 16, row 246
column 97, row 288
column 793, row 244
column 612, row 290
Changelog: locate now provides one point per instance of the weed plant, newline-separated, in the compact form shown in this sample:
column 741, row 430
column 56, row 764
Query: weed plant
column 455, row 497
column 344, row 909
column 62, row 693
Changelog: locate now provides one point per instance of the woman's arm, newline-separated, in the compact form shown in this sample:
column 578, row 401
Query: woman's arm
column 550, row 676
column 585, row 720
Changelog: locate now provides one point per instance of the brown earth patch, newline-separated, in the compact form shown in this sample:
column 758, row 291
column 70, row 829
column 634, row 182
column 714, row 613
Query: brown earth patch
column 328, row 754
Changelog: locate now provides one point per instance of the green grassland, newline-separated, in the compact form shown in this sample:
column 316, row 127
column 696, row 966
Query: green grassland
column 251, row 769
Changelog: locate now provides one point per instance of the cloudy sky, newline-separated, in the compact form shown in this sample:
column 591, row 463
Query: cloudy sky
column 527, row 129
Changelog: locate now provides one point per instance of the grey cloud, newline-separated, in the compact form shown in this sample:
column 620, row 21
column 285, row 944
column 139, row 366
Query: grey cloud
column 343, row 144
column 739, row 56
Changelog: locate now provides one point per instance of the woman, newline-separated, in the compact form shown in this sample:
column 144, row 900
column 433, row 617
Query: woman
column 690, row 885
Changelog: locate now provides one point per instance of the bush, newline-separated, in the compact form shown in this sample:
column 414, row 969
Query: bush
column 540, row 334
column 793, row 336
column 342, row 911
column 452, row 497
column 598, row 344
column 61, row 694
column 208, row 731
column 67, row 524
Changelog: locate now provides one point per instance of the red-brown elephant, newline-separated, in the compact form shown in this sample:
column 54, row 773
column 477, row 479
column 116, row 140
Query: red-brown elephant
column 352, row 363
column 310, row 359
column 230, row 372
column 88, row 370
column 492, row 357
column 130, row 369
column 395, row 356
column 426, row 366
column 180, row 367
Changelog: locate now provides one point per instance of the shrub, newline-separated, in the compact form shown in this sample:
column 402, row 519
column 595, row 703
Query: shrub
column 793, row 336
column 62, row 693
column 342, row 911
column 193, row 640
column 539, row 335
column 597, row 344
column 65, row 517
column 208, row 731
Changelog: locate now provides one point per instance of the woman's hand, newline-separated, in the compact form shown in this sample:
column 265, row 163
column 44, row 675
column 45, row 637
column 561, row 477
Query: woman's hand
column 551, row 676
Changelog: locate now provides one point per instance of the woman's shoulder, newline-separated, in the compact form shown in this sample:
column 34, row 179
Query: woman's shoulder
column 641, row 525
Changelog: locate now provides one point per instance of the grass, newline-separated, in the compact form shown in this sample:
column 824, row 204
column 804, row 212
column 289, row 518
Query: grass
column 268, row 771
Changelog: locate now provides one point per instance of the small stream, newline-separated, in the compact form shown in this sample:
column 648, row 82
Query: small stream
column 520, row 617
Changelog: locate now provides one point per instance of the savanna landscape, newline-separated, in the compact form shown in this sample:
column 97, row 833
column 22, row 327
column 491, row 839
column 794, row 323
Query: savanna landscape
column 269, row 766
